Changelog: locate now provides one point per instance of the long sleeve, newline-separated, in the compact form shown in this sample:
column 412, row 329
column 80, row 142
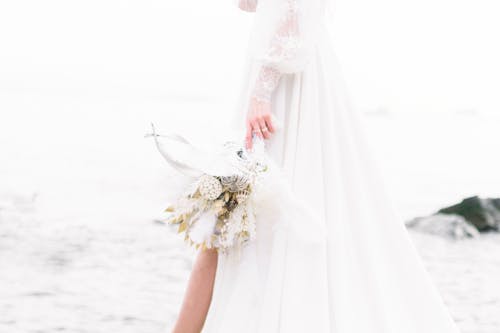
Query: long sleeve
column 283, row 39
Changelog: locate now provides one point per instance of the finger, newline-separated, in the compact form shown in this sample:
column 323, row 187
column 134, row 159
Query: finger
column 256, row 129
column 248, row 136
column 269, row 123
column 248, row 143
column 263, row 128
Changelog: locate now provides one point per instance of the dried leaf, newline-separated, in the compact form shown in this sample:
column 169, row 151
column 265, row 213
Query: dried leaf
column 219, row 225
column 173, row 220
column 182, row 227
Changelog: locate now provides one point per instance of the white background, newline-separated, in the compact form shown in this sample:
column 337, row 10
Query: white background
column 425, row 56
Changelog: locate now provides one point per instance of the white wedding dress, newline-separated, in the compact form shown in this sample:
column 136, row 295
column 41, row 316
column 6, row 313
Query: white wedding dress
column 330, row 256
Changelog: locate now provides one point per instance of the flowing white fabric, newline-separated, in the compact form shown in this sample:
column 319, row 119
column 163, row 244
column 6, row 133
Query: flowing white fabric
column 330, row 254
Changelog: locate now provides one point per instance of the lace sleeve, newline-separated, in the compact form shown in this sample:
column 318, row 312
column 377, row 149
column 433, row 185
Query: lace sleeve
column 282, row 39
column 267, row 81
column 285, row 41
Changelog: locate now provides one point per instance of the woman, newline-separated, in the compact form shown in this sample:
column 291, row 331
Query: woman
column 330, row 257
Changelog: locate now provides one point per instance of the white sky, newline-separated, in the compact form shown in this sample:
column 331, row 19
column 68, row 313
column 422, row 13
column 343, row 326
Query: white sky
column 397, row 55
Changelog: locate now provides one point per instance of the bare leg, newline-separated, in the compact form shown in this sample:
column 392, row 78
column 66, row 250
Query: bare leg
column 198, row 294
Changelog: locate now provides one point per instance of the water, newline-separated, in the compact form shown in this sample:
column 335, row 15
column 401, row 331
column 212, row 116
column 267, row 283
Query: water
column 466, row 273
column 72, row 277
column 99, row 275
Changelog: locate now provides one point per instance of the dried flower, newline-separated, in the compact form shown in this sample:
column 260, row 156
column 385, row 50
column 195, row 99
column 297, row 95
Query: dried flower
column 210, row 187
column 217, row 211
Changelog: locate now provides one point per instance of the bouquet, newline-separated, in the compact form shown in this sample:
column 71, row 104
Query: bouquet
column 217, row 209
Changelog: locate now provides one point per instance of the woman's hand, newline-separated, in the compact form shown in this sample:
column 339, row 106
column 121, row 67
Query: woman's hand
column 259, row 120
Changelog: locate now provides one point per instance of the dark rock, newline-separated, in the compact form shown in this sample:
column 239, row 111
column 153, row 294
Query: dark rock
column 447, row 225
column 484, row 214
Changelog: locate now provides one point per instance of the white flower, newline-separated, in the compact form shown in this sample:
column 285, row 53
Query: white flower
column 203, row 229
column 210, row 187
